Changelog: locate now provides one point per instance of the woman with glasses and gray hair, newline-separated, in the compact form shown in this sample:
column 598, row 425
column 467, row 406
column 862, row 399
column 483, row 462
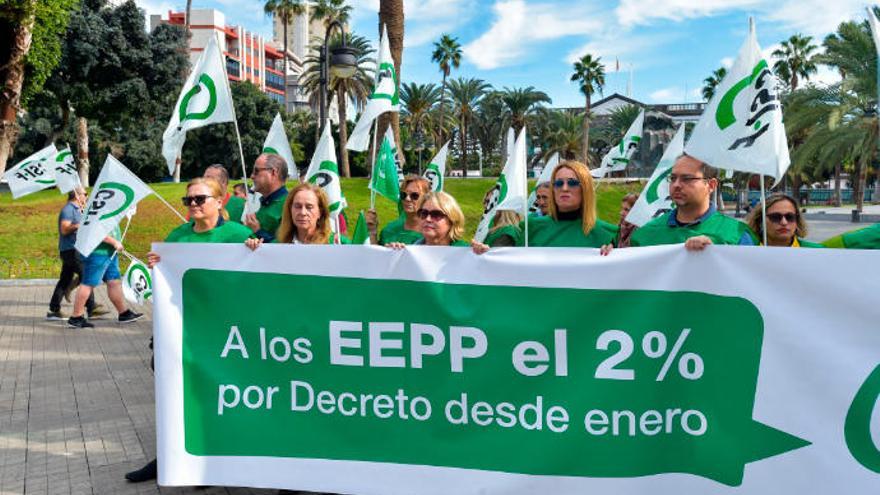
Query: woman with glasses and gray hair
column 785, row 224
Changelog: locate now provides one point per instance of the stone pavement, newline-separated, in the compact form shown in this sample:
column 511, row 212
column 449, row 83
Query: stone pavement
column 76, row 406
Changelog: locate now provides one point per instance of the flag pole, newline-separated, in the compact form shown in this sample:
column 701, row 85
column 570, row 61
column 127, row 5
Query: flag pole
column 181, row 217
column 763, row 210
column 244, row 176
column 373, row 163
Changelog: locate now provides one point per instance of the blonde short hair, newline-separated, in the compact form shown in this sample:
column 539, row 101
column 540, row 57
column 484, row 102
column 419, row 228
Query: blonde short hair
column 217, row 192
column 449, row 206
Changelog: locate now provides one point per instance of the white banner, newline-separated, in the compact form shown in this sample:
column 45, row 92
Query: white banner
column 708, row 376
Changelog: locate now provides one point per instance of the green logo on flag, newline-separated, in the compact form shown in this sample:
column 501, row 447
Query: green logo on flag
column 496, row 195
column 140, row 282
column 270, row 150
column 857, row 429
column 651, row 193
column 387, row 72
column 108, row 196
column 325, row 177
column 206, row 81
column 432, row 173
column 766, row 100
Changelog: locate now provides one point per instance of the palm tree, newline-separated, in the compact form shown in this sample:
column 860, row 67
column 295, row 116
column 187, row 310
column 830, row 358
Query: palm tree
column 712, row 82
column 589, row 73
column 447, row 55
column 391, row 16
column 520, row 102
column 285, row 10
column 465, row 95
column 356, row 88
column 419, row 101
column 329, row 11
column 490, row 124
column 795, row 59
column 561, row 133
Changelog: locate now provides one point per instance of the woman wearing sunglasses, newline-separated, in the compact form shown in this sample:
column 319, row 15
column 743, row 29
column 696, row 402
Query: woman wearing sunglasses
column 204, row 200
column 442, row 222
column 305, row 219
column 405, row 229
column 785, row 224
column 572, row 220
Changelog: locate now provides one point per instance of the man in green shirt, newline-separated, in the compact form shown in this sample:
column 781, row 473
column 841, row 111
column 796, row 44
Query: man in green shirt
column 694, row 221
column 269, row 176
column 232, row 204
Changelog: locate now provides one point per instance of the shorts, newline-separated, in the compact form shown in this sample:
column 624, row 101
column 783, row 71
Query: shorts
column 100, row 267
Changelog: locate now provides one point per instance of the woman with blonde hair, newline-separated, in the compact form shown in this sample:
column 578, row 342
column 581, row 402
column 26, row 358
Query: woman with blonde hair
column 571, row 219
column 504, row 229
column 305, row 219
column 405, row 228
column 785, row 224
column 441, row 222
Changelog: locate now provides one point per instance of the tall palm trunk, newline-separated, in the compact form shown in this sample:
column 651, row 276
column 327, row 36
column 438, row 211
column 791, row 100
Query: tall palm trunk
column 586, row 150
column 837, row 184
column 343, row 133
column 391, row 15
column 82, row 147
column 464, row 154
column 10, row 94
column 443, row 108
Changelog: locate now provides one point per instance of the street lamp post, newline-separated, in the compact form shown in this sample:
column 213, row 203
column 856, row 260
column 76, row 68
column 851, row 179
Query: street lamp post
column 341, row 61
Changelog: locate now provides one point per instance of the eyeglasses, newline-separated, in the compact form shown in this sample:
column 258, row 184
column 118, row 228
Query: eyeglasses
column 198, row 200
column 412, row 196
column 435, row 215
column 777, row 217
column 684, row 179
column 572, row 183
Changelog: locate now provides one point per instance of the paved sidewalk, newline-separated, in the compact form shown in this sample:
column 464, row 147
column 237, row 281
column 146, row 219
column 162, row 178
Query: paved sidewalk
column 76, row 406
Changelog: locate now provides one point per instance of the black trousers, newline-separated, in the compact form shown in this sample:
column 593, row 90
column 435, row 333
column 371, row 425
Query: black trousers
column 70, row 266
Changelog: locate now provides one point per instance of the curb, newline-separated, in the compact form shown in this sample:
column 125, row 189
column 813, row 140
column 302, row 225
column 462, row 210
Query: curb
column 27, row 282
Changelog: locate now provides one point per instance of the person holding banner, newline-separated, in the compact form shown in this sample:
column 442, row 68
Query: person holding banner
column 71, row 266
column 305, row 219
column 542, row 199
column 405, row 229
column 102, row 265
column 572, row 220
column 442, row 222
column 269, row 176
column 625, row 229
column 693, row 221
column 786, row 226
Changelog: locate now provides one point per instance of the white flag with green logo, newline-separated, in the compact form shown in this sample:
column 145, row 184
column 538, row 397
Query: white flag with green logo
column 385, row 97
column 741, row 128
column 66, row 176
column 115, row 192
column 137, row 284
column 435, row 172
column 384, row 180
column 546, row 175
column 324, row 171
column 205, row 99
column 654, row 199
column 32, row 174
column 619, row 156
column 510, row 191
column 277, row 144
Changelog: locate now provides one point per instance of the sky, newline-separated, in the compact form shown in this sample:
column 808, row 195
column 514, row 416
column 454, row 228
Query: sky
column 669, row 46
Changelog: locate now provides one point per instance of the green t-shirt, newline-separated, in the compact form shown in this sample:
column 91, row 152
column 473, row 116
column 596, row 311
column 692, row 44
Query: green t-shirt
column 867, row 238
column 511, row 231
column 395, row 232
column 721, row 229
column 107, row 249
column 235, row 207
column 807, row 244
column 226, row 232
column 547, row 232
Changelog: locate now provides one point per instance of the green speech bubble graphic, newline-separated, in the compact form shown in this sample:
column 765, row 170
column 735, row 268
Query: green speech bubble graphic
column 857, row 429
column 667, row 388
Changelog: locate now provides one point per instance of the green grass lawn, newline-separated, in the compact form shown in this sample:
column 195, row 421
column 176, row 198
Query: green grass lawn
column 29, row 235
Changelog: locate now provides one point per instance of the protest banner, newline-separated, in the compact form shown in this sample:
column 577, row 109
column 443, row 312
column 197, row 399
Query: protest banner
column 433, row 370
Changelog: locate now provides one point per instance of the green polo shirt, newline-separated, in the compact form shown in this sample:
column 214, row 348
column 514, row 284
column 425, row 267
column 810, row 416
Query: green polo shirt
column 235, row 207
column 224, row 232
column 269, row 216
column 511, row 231
column 547, row 232
column 807, row 244
column 867, row 238
column 665, row 229
column 395, row 232
column 107, row 249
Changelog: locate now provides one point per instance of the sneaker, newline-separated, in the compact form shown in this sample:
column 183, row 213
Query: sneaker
column 79, row 322
column 129, row 316
column 98, row 311
column 145, row 473
column 56, row 315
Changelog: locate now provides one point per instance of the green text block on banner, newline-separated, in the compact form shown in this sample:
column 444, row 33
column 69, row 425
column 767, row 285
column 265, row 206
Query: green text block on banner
column 511, row 368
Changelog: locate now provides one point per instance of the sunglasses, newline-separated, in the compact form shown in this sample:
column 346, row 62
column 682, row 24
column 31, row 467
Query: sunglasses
column 435, row 215
column 777, row 217
column 572, row 183
column 684, row 179
column 197, row 200
column 412, row 196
